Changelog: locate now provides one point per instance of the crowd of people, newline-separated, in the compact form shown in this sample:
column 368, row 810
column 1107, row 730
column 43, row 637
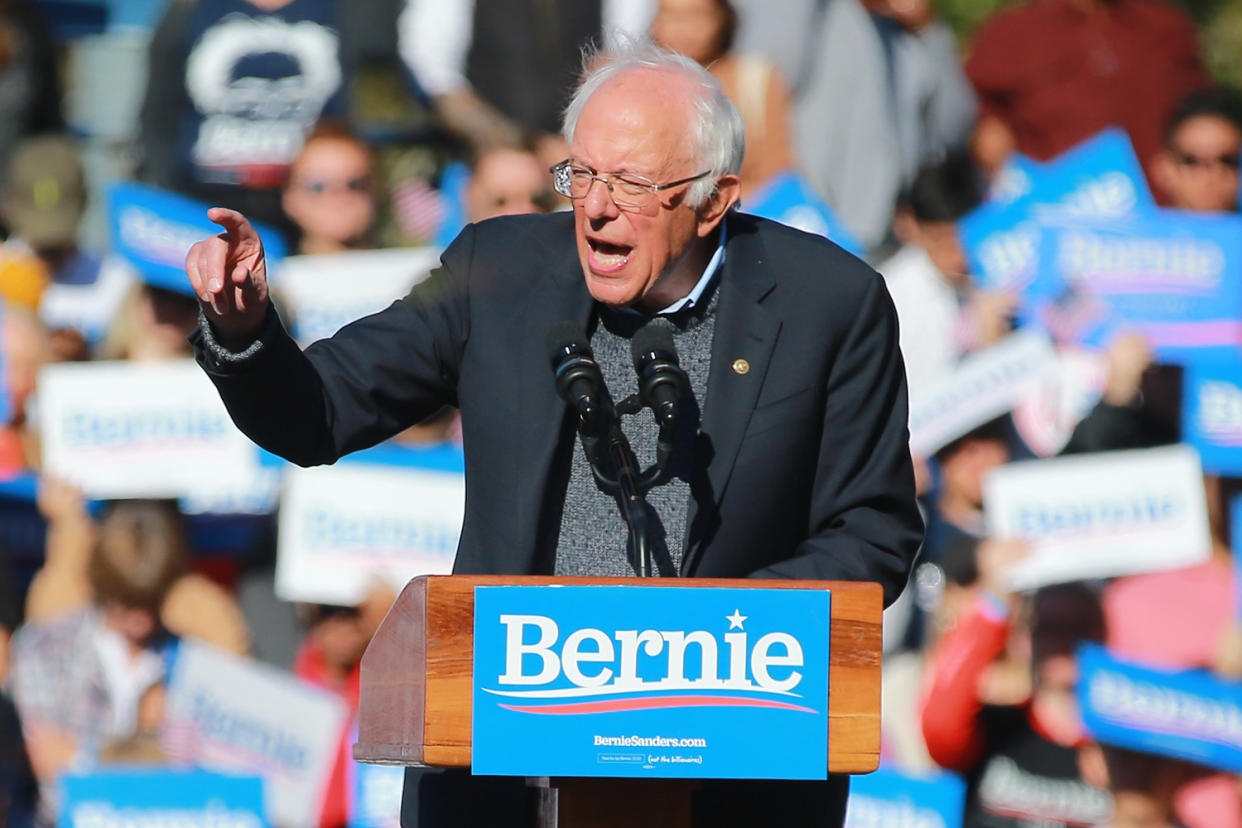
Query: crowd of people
column 266, row 106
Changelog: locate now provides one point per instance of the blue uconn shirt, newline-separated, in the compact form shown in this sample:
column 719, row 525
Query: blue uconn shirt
column 257, row 81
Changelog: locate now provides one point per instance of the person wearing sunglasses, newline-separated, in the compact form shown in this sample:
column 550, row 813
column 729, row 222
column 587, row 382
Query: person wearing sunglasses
column 791, row 457
column 1197, row 169
column 330, row 194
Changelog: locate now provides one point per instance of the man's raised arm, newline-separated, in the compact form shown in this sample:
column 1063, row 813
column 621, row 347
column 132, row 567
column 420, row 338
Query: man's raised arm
column 375, row 377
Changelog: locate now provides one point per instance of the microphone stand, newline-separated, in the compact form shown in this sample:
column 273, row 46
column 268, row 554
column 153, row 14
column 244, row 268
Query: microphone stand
column 628, row 483
column 634, row 505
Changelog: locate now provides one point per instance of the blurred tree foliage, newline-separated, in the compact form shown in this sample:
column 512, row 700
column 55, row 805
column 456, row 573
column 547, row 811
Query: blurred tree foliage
column 1220, row 29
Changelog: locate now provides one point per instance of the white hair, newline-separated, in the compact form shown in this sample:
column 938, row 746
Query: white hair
column 716, row 126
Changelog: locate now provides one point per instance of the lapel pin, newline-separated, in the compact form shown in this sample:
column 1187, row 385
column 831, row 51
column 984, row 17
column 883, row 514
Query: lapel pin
column 741, row 366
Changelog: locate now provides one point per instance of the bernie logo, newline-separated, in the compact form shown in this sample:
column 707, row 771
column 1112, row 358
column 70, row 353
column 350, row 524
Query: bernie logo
column 645, row 669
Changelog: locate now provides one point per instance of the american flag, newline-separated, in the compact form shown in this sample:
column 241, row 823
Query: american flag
column 418, row 208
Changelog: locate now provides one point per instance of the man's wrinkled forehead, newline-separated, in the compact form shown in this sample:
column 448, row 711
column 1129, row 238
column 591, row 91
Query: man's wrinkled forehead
column 652, row 102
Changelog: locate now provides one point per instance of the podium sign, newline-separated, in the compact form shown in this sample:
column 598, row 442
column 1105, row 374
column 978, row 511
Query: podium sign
column 652, row 682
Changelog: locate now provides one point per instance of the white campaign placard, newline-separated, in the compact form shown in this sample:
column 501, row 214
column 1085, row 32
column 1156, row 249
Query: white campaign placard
column 1101, row 515
column 985, row 385
column 344, row 526
column 324, row 293
column 128, row 429
column 231, row 713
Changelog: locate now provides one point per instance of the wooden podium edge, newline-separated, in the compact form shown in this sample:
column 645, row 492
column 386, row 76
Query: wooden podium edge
column 427, row 685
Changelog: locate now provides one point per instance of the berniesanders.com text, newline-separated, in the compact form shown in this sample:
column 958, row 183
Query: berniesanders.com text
column 648, row 741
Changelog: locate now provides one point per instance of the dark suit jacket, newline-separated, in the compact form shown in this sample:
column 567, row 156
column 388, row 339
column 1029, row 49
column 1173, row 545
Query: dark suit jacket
column 806, row 450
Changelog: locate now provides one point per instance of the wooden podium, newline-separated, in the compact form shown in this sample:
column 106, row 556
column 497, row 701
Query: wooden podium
column 416, row 688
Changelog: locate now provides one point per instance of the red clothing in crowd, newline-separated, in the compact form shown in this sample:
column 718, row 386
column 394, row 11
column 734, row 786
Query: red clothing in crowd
column 1058, row 71
column 1015, row 775
column 310, row 667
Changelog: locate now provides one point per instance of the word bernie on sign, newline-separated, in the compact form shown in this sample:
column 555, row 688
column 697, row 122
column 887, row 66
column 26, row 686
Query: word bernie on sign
column 651, row 681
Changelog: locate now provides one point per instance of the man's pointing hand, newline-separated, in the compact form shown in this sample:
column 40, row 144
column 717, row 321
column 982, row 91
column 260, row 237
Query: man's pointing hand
column 229, row 275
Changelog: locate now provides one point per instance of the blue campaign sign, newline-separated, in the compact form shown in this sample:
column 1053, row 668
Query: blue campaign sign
column 651, row 682
column 192, row 799
column 154, row 229
column 1174, row 277
column 889, row 797
column 1212, row 413
column 1188, row 715
column 1101, row 177
column 788, row 198
column 1015, row 178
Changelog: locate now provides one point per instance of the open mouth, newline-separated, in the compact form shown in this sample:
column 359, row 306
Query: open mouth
column 607, row 256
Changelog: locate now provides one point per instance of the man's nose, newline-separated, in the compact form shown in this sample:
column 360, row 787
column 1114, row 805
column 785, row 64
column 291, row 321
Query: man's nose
column 598, row 201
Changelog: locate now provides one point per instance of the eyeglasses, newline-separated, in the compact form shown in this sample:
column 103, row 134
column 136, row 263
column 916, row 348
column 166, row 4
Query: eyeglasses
column 319, row 186
column 628, row 191
column 1229, row 161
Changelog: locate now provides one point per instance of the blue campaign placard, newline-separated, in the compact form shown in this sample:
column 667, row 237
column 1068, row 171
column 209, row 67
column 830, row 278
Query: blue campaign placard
column 1185, row 715
column 154, row 229
column 1212, row 413
column 636, row 681
column 1015, row 178
column 889, row 797
column 1101, row 177
column 161, row 797
column 1173, row 276
column 787, row 197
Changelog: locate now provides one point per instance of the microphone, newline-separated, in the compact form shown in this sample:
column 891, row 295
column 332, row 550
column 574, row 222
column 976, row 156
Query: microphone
column 578, row 378
column 661, row 381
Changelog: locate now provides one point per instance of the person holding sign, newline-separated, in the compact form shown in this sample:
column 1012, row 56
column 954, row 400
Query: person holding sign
column 1197, row 169
column 793, row 462
column 1021, row 761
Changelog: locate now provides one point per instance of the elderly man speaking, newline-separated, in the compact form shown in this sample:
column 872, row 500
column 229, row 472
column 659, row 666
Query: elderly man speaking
column 790, row 457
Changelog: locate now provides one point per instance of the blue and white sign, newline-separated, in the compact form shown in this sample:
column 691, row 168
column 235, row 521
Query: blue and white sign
column 789, row 198
column 651, row 682
column 1174, row 277
column 1015, row 179
column 1101, row 515
column 986, row 384
column 185, row 799
column 1100, row 178
column 235, row 714
column 154, row 230
column 343, row 527
column 326, row 292
column 1212, row 413
column 889, row 798
column 126, row 429
column 1188, row 715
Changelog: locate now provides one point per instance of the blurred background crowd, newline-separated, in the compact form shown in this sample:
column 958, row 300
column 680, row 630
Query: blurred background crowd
column 349, row 127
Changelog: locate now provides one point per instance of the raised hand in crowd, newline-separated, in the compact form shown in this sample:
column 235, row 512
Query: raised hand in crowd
column 61, row 584
column 995, row 559
column 229, row 275
column 1129, row 357
column 990, row 316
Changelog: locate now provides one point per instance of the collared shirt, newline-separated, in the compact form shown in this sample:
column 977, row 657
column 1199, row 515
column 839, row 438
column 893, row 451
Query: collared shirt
column 713, row 265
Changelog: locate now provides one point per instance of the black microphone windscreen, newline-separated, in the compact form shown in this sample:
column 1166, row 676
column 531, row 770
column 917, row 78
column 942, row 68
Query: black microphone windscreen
column 656, row 335
column 566, row 336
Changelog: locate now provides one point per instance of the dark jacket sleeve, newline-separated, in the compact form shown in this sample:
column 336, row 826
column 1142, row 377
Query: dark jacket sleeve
column 864, row 518
column 374, row 378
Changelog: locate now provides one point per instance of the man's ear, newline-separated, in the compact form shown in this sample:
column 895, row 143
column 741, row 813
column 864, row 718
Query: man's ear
column 728, row 191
